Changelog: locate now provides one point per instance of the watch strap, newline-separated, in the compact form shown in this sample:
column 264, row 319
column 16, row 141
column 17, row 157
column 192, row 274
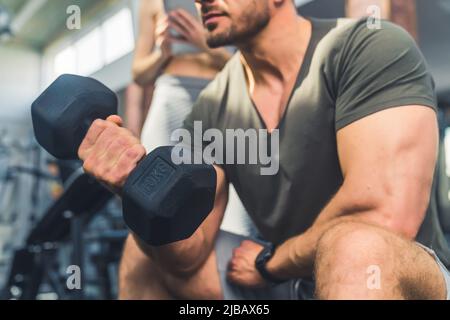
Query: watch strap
column 261, row 264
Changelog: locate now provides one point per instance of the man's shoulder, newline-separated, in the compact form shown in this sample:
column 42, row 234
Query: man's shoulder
column 345, row 30
column 344, row 42
column 367, row 29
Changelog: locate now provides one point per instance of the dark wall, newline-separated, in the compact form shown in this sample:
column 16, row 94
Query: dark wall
column 324, row 9
column 434, row 39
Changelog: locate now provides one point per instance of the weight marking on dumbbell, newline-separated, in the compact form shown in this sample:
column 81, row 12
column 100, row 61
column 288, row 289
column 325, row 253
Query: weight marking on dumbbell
column 156, row 175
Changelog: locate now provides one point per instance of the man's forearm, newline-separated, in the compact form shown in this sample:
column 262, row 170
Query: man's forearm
column 295, row 258
column 180, row 258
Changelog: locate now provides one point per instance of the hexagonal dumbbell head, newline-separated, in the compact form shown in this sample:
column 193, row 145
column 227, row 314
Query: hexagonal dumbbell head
column 164, row 202
column 63, row 113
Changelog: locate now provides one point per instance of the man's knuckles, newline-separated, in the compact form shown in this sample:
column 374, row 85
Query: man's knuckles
column 95, row 132
column 135, row 153
column 119, row 144
column 106, row 174
column 110, row 152
column 115, row 178
column 114, row 143
column 114, row 173
column 88, row 166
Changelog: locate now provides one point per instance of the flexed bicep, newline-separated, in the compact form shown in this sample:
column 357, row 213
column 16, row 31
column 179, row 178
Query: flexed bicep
column 388, row 161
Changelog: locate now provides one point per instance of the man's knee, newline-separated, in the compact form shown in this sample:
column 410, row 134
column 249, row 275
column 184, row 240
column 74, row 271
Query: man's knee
column 347, row 255
column 362, row 258
column 353, row 243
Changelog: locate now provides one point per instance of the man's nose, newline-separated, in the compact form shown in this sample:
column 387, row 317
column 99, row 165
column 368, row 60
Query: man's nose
column 202, row 3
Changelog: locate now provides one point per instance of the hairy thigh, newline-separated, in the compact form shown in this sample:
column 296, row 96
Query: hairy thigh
column 347, row 251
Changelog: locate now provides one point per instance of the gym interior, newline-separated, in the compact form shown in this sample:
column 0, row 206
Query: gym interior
column 62, row 233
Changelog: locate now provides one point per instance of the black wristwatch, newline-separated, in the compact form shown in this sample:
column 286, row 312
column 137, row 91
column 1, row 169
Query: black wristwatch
column 261, row 264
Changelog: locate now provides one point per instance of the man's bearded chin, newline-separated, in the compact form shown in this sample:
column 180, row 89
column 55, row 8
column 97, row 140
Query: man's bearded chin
column 235, row 37
column 220, row 40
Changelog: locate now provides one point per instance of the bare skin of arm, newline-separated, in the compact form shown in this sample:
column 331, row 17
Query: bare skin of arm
column 134, row 108
column 184, row 258
column 154, row 33
column 109, row 153
column 149, row 63
column 388, row 161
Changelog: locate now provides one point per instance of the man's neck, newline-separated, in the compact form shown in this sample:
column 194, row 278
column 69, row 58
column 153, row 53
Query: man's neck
column 278, row 51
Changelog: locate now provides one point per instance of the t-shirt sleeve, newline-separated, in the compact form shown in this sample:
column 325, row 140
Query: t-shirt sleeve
column 380, row 69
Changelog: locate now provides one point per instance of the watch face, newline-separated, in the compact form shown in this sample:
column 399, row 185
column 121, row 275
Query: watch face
column 265, row 255
column 261, row 262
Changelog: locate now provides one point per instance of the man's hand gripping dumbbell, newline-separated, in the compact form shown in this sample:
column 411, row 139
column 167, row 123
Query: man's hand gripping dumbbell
column 162, row 202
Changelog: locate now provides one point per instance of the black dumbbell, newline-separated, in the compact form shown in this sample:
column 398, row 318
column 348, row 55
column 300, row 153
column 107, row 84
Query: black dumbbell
column 162, row 202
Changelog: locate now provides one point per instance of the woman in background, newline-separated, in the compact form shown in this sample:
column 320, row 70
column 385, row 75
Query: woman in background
column 178, row 79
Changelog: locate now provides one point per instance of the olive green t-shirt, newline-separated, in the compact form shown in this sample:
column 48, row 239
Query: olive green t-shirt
column 349, row 72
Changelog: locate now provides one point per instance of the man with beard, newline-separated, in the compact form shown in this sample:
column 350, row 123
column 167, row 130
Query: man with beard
column 351, row 212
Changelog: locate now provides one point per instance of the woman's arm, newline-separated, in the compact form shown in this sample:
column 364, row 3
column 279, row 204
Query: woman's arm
column 153, row 32
column 134, row 109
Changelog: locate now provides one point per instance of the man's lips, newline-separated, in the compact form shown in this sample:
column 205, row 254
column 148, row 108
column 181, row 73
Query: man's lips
column 212, row 17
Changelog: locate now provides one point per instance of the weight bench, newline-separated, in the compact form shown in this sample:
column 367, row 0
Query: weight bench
column 64, row 220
